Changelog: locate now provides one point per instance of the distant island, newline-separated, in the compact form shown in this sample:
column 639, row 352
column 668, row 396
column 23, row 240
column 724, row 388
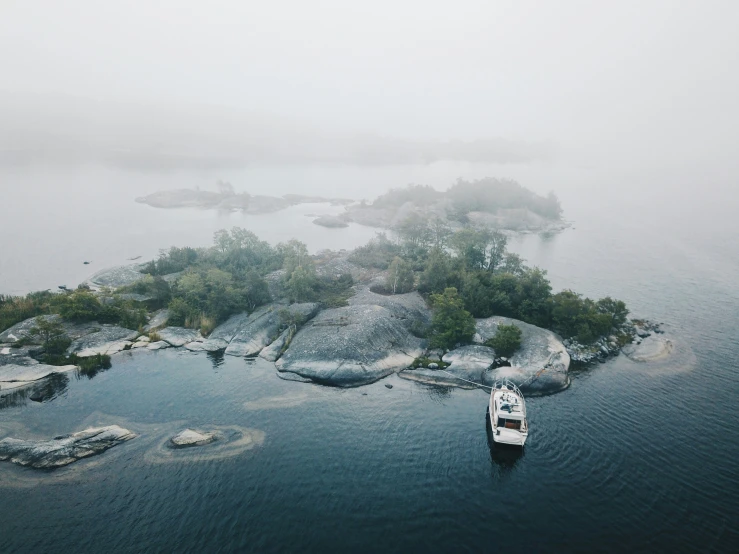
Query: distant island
column 441, row 305
column 492, row 203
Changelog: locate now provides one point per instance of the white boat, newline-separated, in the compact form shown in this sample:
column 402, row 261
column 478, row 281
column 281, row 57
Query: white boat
column 508, row 414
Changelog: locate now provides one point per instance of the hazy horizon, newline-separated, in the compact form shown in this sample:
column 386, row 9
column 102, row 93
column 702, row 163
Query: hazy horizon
column 176, row 85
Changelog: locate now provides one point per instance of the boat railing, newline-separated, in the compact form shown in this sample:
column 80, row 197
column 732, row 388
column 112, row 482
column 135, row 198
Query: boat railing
column 508, row 385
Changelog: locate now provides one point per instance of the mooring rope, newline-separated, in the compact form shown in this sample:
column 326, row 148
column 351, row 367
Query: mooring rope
column 463, row 379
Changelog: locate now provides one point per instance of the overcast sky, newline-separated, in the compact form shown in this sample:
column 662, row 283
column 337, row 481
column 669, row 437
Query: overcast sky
column 640, row 78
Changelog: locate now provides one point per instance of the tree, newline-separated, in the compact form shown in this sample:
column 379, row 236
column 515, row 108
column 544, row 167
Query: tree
column 302, row 284
column 496, row 249
column 294, row 254
column 415, row 232
column 440, row 271
column 52, row 335
column 506, row 341
column 451, row 323
column 615, row 308
column 399, row 276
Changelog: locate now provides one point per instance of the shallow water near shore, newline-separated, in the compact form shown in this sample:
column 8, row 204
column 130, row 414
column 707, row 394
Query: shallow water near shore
column 632, row 456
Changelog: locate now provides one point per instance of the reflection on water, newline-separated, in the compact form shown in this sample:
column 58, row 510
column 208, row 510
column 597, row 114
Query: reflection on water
column 51, row 387
column 45, row 390
column 216, row 358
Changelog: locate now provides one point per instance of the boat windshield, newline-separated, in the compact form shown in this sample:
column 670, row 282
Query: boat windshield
column 509, row 423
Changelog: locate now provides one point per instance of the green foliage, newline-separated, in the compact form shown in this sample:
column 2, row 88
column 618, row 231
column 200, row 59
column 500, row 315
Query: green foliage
column 172, row 261
column 490, row 195
column 451, row 323
column 480, row 248
column 506, row 341
column 154, row 286
column 400, row 277
column 14, row 309
column 334, row 293
column 54, row 339
column 302, row 284
column 575, row 316
column 440, row 271
column 420, row 195
column 82, row 305
column 379, row 253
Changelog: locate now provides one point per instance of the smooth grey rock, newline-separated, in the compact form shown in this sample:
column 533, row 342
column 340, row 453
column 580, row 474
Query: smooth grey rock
column 159, row 319
column 539, row 366
column 433, row 365
column 409, row 308
column 115, row 277
column 273, row 352
column 263, row 326
column 330, row 221
column 472, row 357
column 188, row 437
column 63, row 450
column 22, row 330
column 196, row 346
column 18, row 375
column 213, row 345
column 159, row 345
column 178, row 336
column 351, row 346
column 104, row 339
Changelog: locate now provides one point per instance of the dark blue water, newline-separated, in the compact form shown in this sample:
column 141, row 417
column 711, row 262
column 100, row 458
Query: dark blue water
column 641, row 457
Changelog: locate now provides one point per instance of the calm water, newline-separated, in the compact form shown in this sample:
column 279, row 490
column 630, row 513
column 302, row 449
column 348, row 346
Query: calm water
column 631, row 457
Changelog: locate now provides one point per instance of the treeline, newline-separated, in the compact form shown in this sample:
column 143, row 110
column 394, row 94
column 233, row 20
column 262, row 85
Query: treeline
column 483, row 195
column 488, row 280
column 229, row 278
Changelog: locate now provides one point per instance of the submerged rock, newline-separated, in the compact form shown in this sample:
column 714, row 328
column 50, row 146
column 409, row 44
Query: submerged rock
column 651, row 348
column 351, row 346
column 63, row 450
column 188, row 437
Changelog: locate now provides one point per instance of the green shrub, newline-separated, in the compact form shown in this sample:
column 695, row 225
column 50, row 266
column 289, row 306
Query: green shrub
column 506, row 341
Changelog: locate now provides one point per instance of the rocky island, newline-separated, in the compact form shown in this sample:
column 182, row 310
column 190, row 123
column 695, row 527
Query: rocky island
column 439, row 306
column 491, row 203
